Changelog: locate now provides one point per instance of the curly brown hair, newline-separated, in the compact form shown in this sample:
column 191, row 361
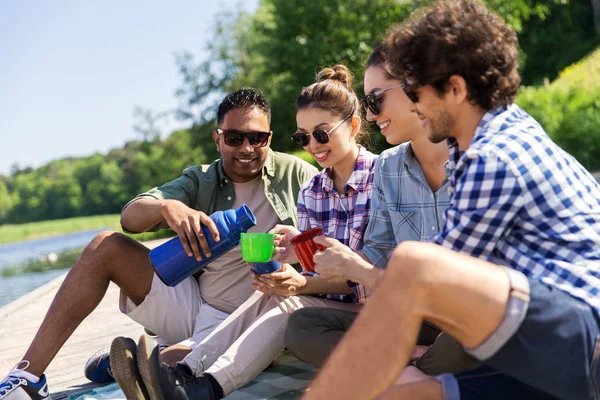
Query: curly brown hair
column 457, row 37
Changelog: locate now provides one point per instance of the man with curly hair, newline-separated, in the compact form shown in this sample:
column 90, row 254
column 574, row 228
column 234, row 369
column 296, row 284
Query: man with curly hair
column 514, row 275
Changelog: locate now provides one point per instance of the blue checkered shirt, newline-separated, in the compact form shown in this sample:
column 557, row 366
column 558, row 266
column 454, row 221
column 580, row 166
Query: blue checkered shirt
column 521, row 201
column 342, row 216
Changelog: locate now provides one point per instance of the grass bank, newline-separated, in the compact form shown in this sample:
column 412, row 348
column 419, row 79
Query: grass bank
column 34, row 230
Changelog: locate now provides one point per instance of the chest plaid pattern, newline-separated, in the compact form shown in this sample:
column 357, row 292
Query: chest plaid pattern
column 519, row 200
column 342, row 216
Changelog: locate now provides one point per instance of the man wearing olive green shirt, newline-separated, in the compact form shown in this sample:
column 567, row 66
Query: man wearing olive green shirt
column 247, row 172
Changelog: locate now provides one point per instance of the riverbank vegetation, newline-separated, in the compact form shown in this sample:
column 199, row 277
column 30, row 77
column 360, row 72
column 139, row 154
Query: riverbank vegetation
column 54, row 261
column 34, row 230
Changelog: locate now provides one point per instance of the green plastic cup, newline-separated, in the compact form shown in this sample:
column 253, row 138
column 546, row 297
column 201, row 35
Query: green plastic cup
column 257, row 247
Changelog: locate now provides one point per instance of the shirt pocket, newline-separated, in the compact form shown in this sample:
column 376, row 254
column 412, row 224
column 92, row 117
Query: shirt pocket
column 407, row 224
column 357, row 233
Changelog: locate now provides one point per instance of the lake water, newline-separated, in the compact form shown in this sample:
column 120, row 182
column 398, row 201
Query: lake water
column 13, row 287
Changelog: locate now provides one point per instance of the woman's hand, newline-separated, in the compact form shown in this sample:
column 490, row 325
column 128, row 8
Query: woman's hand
column 285, row 282
column 284, row 252
column 338, row 262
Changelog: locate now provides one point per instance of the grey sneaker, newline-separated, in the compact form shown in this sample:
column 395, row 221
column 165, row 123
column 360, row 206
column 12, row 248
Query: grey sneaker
column 123, row 364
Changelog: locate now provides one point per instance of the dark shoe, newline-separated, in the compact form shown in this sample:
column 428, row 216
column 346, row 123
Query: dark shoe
column 97, row 368
column 169, row 383
column 123, row 363
column 18, row 388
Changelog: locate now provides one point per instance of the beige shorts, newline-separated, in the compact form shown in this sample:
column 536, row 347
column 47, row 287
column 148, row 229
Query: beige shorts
column 176, row 314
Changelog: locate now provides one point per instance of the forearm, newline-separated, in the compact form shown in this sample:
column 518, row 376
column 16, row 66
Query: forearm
column 142, row 214
column 365, row 273
column 318, row 285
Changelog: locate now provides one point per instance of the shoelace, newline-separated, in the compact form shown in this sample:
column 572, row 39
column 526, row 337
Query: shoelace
column 183, row 374
column 11, row 381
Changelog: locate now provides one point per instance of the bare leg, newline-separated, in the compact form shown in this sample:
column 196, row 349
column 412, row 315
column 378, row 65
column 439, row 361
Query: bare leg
column 411, row 374
column 462, row 295
column 424, row 390
column 109, row 257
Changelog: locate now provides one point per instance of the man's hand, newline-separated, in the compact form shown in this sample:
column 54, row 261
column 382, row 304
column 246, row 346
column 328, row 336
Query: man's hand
column 187, row 223
column 285, row 282
column 284, row 251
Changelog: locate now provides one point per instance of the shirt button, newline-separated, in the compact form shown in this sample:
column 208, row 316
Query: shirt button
column 433, row 228
column 226, row 181
column 229, row 198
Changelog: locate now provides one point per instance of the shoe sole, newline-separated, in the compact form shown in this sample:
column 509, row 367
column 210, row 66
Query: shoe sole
column 148, row 365
column 123, row 358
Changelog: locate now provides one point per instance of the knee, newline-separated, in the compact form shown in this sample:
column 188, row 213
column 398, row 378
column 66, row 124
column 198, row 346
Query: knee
column 107, row 238
column 297, row 332
column 411, row 264
column 106, row 244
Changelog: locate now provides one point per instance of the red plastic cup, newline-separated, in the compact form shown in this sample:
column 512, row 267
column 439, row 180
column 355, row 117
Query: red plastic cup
column 305, row 248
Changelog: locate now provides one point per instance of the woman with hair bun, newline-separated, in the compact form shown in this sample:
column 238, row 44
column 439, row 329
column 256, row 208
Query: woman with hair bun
column 337, row 200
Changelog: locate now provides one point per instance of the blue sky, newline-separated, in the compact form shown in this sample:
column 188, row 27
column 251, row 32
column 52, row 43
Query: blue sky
column 71, row 72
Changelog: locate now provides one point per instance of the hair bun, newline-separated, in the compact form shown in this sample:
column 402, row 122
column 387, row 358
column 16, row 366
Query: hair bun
column 339, row 73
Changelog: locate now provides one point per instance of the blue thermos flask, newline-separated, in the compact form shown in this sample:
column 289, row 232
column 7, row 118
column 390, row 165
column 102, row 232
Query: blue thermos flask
column 172, row 264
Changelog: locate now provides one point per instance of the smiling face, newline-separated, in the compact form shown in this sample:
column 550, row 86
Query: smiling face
column 243, row 163
column 396, row 121
column 341, row 146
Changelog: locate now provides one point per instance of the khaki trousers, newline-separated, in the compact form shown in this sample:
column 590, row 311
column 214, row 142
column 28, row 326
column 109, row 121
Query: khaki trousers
column 247, row 341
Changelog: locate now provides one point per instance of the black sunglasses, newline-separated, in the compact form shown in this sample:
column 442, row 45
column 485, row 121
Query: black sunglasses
column 320, row 135
column 373, row 101
column 411, row 89
column 235, row 138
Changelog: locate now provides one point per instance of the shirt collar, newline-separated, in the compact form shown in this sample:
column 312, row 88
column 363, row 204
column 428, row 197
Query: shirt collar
column 482, row 128
column 410, row 161
column 359, row 178
column 455, row 153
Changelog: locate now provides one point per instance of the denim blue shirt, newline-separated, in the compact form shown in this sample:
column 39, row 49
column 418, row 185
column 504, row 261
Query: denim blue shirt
column 403, row 206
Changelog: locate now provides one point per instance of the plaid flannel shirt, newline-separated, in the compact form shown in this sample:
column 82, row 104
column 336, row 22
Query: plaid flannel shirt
column 521, row 201
column 342, row 216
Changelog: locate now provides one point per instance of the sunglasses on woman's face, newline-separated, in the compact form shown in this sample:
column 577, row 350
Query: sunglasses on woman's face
column 373, row 101
column 235, row 138
column 320, row 135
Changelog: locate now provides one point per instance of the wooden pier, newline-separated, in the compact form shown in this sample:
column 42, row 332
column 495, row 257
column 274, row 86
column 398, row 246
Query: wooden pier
column 20, row 320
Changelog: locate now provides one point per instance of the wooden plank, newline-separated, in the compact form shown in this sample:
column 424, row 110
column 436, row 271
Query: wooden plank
column 20, row 320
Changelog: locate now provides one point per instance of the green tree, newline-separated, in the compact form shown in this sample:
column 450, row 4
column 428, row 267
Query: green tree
column 279, row 48
column 6, row 201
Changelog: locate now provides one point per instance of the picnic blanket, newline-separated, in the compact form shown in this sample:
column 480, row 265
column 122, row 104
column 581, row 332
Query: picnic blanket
column 285, row 379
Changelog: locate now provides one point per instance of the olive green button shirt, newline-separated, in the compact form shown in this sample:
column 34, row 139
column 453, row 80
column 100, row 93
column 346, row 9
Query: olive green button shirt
column 206, row 188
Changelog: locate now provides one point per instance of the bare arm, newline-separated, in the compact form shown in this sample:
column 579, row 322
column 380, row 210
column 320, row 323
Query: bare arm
column 142, row 214
column 339, row 263
column 365, row 273
column 318, row 285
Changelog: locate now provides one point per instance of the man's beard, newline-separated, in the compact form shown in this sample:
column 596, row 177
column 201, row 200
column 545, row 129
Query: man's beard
column 440, row 127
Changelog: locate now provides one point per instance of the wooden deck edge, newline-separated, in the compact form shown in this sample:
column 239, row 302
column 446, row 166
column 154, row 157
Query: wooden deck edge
column 34, row 294
column 52, row 285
